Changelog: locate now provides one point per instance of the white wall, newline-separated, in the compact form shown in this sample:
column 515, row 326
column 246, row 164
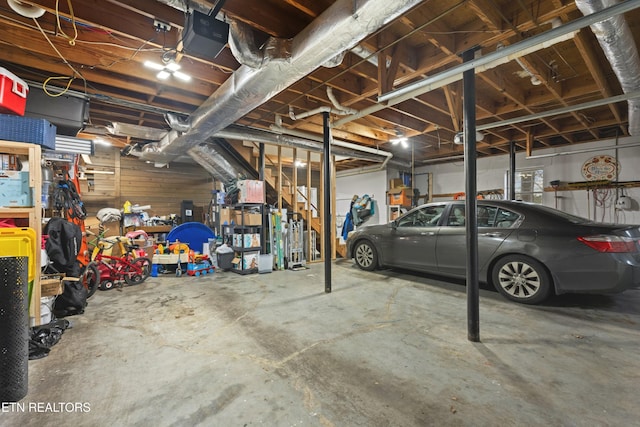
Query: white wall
column 374, row 184
column 449, row 178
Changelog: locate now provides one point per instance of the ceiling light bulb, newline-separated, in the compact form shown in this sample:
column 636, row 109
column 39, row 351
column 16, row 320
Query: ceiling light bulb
column 153, row 65
column 401, row 140
column 163, row 75
column 172, row 66
column 182, row 76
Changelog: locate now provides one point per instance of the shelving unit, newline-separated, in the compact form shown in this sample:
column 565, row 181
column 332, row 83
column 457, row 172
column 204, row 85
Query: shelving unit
column 33, row 214
column 393, row 212
column 247, row 239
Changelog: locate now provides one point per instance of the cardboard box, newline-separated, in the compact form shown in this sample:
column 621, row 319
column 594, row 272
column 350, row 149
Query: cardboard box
column 250, row 260
column 248, row 240
column 15, row 190
column 400, row 196
column 227, row 215
column 145, row 248
column 251, row 191
column 252, row 240
column 396, row 183
column 249, row 218
column 51, row 285
column 13, row 93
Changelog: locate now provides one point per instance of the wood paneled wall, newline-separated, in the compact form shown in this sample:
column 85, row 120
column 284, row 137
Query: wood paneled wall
column 117, row 179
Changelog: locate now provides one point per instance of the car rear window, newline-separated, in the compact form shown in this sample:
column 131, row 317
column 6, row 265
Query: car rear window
column 562, row 215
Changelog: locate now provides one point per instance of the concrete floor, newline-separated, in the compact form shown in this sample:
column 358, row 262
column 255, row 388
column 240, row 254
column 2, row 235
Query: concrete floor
column 384, row 349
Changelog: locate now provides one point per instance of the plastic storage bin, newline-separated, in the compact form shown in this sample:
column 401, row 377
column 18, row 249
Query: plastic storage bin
column 26, row 129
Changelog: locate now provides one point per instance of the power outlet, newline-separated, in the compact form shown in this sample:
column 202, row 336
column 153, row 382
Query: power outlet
column 161, row 26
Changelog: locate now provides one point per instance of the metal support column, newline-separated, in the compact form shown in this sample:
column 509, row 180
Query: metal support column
column 471, row 223
column 512, row 170
column 263, row 211
column 327, row 202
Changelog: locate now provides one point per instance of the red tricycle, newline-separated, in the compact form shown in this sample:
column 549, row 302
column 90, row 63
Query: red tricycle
column 129, row 268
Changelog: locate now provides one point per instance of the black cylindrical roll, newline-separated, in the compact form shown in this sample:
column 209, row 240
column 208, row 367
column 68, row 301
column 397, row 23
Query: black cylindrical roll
column 14, row 328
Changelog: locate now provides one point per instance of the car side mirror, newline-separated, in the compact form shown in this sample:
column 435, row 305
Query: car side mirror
column 394, row 224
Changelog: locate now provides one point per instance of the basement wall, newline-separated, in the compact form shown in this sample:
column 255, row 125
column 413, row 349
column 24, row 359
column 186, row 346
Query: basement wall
column 449, row 179
column 128, row 178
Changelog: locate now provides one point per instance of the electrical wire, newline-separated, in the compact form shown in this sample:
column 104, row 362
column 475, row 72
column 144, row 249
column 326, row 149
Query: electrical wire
column 71, row 40
column 65, row 61
column 602, row 199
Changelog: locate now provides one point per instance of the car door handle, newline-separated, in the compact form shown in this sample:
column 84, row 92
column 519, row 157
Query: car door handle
column 495, row 234
column 430, row 233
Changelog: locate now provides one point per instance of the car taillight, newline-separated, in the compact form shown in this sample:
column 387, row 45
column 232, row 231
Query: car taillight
column 615, row 244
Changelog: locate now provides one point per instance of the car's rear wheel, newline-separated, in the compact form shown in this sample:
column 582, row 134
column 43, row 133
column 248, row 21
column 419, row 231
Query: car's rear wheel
column 365, row 256
column 522, row 279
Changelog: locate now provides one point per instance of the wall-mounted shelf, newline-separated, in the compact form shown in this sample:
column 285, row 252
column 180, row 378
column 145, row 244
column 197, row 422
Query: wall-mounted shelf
column 34, row 213
column 593, row 185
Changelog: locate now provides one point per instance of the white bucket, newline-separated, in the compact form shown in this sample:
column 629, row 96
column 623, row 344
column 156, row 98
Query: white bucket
column 46, row 307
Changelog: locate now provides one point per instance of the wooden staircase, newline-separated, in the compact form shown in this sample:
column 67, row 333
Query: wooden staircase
column 288, row 192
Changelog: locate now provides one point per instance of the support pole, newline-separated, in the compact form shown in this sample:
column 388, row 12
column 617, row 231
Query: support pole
column 471, row 223
column 263, row 231
column 512, row 170
column 261, row 161
column 327, row 202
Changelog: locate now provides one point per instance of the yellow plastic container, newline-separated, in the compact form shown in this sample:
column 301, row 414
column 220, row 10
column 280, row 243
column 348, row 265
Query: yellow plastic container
column 21, row 242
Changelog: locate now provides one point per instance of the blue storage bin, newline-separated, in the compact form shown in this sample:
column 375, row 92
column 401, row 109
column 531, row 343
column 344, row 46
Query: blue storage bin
column 27, row 129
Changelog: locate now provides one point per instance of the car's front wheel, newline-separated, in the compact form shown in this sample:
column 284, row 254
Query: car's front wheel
column 522, row 279
column 365, row 256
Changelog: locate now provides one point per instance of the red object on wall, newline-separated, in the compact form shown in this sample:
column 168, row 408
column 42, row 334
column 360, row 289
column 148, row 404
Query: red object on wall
column 13, row 93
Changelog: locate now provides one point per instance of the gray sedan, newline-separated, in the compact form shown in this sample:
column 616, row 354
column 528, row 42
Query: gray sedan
column 527, row 251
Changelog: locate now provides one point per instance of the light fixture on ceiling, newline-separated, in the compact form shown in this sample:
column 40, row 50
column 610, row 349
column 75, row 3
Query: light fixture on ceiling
column 400, row 139
column 300, row 164
column 169, row 68
column 101, row 141
column 459, row 137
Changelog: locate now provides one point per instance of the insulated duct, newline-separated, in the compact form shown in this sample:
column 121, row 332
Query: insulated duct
column 342, row 26
column 245, row 49
column 616, row 40
column 207, row 156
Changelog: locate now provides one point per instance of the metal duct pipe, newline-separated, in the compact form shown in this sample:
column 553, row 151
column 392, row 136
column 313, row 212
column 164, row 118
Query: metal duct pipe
column 136, row 131
column 260, row 135
column 335, row 142
column 245, row 49
column 616, row 40
column 342, row 26
column 206, row 155
column 176, row 123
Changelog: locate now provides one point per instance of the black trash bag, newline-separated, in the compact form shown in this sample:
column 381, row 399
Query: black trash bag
column 43, row 337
